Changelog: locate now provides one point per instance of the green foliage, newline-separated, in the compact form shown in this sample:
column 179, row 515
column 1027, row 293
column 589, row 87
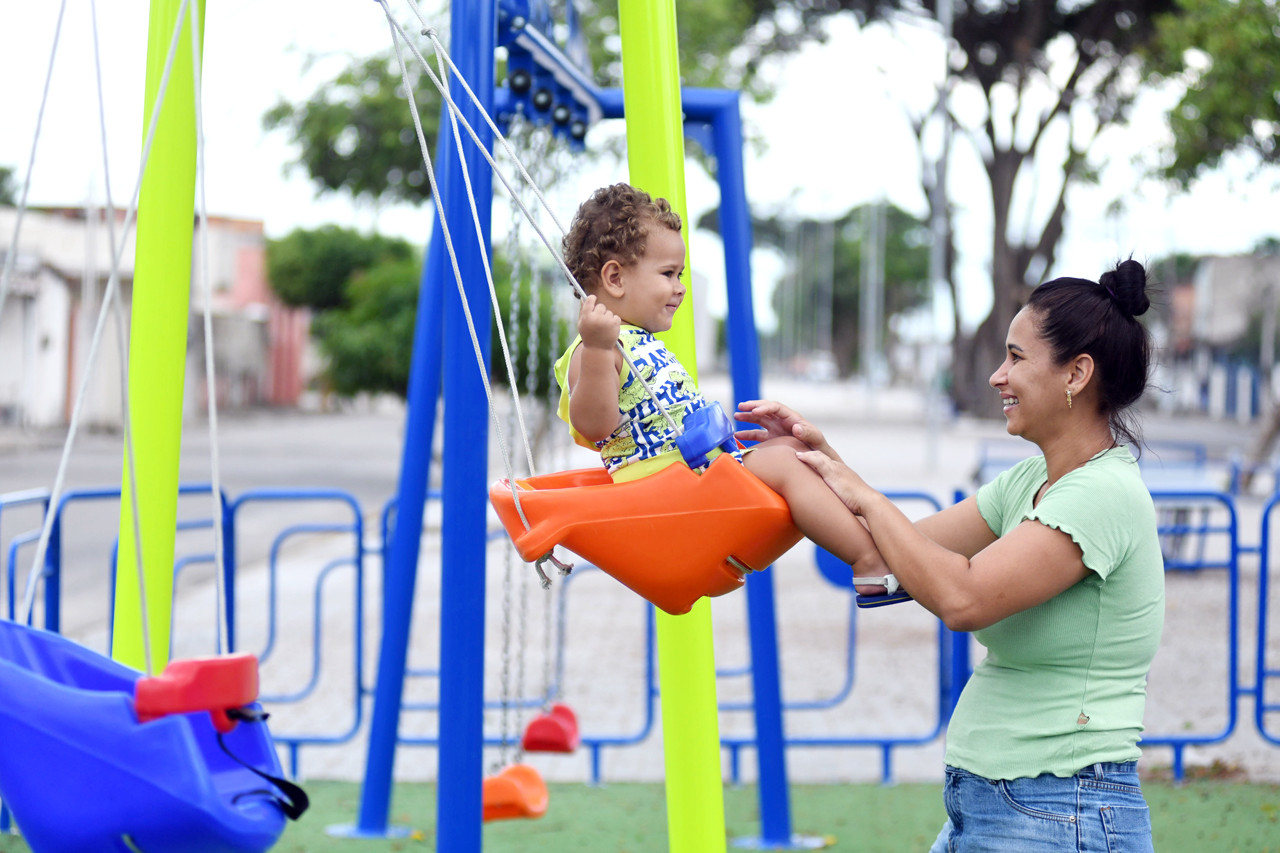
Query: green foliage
column 546, row 337
column 368, row 343
column 366, row 337
column 723, row 43
column 8, row 187
column 355, row 134
column 1228, row 57
column 311, row 268
column 1173, row 270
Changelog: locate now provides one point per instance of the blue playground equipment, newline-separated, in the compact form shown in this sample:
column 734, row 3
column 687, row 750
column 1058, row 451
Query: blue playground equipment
column 547, row 82
column 97, row 756
column 80, row 772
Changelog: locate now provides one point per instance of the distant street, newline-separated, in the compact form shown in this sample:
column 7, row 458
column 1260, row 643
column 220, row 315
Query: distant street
column 356, row 452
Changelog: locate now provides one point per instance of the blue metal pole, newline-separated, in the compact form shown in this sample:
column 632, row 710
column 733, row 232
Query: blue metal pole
column 53, row 580
column 228, row 570
column 459, row 806
column 400, row 573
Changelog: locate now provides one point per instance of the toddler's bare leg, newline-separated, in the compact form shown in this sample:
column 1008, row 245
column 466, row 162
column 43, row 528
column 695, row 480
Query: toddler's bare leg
column 820, row 515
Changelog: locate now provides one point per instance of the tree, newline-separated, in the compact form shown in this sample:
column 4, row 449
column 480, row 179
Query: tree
column 1043, row 71
column 1227, row 56
column 312, row 268
column 838, row 278
column 8, row 188
column 1049, row 76
column 362, row 290
column 367, row 341
column 353, row 135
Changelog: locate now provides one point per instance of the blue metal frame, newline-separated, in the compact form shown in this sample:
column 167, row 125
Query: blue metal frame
column 474, row 38
column 1265, row 672
column 1231, row 565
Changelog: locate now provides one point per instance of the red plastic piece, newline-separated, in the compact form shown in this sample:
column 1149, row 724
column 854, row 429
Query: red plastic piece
column 667, row 536
column 213, row 684
column 515, row 791
column 555, row 731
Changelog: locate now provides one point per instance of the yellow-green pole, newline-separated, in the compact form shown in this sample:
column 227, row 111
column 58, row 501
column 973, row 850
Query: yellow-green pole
column 686, row 653
column 158, row 344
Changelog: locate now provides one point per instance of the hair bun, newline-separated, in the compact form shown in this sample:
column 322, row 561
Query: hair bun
column 1127, row 285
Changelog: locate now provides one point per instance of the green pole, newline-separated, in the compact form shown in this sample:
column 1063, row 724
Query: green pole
column 686, row 653
column 158, row 344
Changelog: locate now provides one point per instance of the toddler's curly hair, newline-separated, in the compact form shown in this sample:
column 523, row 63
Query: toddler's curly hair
column 613, row 224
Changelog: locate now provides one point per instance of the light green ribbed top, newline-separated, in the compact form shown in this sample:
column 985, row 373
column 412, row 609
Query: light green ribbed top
column 1063, row 684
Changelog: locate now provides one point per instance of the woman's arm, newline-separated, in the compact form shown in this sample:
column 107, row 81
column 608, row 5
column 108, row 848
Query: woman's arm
column 959, row 527
column 952, row 563
column 593, row 372
column 774, row 420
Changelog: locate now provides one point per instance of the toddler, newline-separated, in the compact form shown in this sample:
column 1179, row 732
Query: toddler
column 625, row 250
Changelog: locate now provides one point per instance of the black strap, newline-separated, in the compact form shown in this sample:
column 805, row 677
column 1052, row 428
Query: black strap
column 294, row 800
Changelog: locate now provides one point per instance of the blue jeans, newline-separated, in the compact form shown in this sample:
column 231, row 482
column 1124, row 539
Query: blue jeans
column 1100, row 809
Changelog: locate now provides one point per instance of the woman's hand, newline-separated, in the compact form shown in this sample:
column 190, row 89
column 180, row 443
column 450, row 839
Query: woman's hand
column 774, row 420
column 850, row 488
column 597, row 325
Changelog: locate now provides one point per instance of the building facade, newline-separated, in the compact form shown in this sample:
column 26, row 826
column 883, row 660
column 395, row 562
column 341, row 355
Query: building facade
column 54, row 312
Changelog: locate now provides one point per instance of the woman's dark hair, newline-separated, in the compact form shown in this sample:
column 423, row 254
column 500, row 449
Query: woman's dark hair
column 1099, row 318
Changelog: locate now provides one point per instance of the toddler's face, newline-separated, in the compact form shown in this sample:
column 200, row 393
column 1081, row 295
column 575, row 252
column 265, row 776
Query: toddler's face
column 652, row 289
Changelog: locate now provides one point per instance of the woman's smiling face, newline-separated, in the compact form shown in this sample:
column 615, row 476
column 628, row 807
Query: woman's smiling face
column 1032, row 388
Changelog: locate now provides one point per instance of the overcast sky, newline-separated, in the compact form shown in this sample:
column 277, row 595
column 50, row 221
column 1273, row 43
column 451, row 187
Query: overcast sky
column 836, row 136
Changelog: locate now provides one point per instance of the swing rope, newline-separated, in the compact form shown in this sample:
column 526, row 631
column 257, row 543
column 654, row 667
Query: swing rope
column 112, row 302
column 400, row 37
column 211, row 379
column 457, row 117
column 111, row 299
column 396, row 30
column 11, row 257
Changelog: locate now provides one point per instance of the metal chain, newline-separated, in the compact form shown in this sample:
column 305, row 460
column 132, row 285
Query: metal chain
column 519, row 687
column 504, row 723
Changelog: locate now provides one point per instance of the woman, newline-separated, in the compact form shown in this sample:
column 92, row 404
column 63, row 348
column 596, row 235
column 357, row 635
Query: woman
column 1055, row 566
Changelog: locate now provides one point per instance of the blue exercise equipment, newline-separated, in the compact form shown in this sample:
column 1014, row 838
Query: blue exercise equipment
column 80, row 773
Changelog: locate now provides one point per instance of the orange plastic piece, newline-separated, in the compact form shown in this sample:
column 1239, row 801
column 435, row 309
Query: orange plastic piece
column 515, row 791
column 554, row 731
column 213, row 684
column 668, row 536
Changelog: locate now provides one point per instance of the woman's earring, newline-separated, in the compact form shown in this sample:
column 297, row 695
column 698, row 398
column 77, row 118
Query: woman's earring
column 1068, row 398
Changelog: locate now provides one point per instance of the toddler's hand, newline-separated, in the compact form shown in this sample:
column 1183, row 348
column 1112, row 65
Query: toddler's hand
column 597, row 325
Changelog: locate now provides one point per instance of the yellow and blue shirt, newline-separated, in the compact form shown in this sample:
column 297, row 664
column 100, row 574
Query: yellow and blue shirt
column 643, row 442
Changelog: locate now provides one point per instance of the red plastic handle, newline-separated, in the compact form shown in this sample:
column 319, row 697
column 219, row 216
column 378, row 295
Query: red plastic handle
column 213, row 684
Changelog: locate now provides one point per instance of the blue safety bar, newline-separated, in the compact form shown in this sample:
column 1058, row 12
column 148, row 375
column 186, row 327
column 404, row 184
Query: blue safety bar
column 1229, row 562
column 1267, row 669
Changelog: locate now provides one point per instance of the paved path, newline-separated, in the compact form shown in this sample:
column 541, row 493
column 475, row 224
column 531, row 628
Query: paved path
column 889, row 436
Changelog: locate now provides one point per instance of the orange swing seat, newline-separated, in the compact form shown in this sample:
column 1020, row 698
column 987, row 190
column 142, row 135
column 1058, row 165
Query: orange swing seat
column 517, row 790
column 672, row 537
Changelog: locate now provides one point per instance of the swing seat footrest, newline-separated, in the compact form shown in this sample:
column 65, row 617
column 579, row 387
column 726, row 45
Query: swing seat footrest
column 214, row 684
